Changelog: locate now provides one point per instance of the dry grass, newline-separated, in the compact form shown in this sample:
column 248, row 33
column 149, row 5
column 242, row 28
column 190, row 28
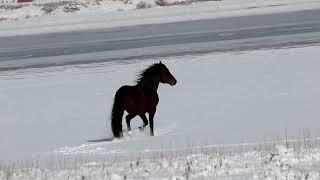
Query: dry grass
column 258, row 160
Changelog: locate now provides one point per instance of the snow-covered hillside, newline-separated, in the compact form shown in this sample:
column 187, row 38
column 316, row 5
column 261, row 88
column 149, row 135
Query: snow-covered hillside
column 41, row 17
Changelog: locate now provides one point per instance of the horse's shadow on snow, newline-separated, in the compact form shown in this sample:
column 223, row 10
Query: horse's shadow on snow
column 112, row 138
column 101, row 140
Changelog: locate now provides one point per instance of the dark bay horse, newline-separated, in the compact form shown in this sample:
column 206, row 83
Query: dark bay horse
column 140, row 99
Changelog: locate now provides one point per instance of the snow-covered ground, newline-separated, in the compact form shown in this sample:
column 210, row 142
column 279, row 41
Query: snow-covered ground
column 258, row 96
column 273, row 161
column 33, row 19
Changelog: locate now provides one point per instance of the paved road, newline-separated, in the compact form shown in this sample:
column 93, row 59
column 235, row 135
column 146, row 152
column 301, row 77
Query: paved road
column 161, row 39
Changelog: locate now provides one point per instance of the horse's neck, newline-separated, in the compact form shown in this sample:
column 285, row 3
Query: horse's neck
column 150, row 85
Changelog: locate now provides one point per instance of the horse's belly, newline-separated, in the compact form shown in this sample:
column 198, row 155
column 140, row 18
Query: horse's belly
column 136, row 107
column 141, row 108
column 131, row 106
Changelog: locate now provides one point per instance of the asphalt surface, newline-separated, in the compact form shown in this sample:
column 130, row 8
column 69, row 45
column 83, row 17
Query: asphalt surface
column 160, row 39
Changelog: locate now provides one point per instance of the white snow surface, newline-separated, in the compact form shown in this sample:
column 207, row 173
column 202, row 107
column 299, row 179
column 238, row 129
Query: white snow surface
column 225, row 98
column 30, row 19
column 278, row 162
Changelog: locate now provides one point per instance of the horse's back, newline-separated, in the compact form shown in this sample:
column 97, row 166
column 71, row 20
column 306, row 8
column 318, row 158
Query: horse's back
column 127, row 90
column 130, row 93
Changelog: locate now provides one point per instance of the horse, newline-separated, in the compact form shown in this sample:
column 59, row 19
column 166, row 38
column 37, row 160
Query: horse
column 140, row 99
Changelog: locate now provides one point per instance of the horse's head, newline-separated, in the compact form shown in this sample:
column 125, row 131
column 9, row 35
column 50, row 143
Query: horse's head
column 165, row 75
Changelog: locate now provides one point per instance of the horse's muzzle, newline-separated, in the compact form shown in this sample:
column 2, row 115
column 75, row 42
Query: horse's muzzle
column 173, row 82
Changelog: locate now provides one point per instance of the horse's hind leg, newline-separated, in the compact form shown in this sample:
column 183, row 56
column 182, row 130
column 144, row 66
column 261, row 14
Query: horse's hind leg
column 128, row 119
column 145, row 121
column 151, row 116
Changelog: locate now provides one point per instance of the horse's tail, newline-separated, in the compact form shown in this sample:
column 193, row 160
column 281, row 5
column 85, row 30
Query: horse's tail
column 116, row 115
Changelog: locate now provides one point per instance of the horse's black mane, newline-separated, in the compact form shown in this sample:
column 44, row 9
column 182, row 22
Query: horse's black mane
column 149, row 72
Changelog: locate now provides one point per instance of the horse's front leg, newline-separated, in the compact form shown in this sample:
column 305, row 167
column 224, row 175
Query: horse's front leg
column 151, row 116
column 128, row 119
column 145, row 122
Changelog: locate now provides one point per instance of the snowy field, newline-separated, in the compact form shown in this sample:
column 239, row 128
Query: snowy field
column 49, row 114
column 277, row 162
column 43, row 18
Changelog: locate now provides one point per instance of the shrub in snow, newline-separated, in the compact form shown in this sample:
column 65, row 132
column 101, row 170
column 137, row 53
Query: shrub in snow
column 93, row 3
column 143, row 5
column 182, row 2
column 71, row 8
column 127, row 2
column 49, row 7
column 161, row 2
column 7, row 1
column 10, row 6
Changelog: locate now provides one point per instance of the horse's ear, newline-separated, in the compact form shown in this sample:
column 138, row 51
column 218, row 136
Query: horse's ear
column 160, row 62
